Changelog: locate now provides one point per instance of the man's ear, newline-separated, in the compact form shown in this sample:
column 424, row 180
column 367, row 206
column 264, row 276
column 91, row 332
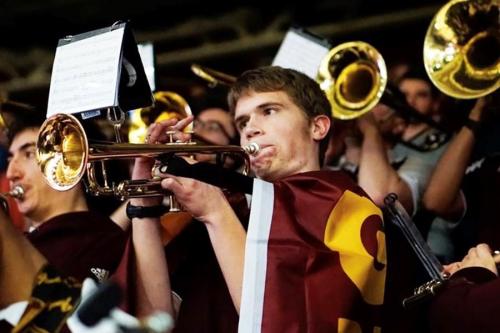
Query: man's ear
column 320, row 126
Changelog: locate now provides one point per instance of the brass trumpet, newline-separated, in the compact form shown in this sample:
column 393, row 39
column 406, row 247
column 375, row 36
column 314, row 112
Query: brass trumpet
column 64, row 155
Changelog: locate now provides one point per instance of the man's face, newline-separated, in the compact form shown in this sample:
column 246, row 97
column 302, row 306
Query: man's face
column 418, row 94
column 391, row 125
column 23, row 170
column 282, row 131
column 215, row 125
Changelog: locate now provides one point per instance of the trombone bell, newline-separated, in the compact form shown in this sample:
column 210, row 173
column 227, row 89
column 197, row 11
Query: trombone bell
column 462, row 48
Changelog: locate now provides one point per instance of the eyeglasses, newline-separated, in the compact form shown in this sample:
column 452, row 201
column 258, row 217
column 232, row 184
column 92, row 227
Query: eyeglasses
column 212, row 126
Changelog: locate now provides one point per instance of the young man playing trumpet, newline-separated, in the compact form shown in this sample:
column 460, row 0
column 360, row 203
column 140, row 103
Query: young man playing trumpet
column 77, row 241
column 314, row 256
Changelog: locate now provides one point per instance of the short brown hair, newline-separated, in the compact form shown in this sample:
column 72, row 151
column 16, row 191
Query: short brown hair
column 302, row 90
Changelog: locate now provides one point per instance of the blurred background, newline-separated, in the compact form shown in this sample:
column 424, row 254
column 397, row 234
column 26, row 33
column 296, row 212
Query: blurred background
column 230, row 36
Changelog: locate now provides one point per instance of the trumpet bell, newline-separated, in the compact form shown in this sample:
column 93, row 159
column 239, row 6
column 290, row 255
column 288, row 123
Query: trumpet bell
column 462, row 48
column 62, row 151
column 353, row 76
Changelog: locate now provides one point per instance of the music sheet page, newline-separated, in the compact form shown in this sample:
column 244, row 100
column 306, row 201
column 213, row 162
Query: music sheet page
column 85, row 74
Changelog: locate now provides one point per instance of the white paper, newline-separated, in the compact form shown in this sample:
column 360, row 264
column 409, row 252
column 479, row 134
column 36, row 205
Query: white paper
column 84, row 74
column 300, row 53
column 146, row 52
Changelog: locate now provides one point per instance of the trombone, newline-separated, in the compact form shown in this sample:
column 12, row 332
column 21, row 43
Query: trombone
column 353, row 76
column 462, row 48
column 65, row 155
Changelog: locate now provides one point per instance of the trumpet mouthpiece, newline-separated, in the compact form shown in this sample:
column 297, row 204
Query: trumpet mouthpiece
column 251, row 148
column 17, row 192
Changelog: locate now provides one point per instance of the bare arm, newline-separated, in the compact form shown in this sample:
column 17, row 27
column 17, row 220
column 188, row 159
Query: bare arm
column 119, row 216
column 376, row 175
column 153, row 281
column 442, row 195
column 207, row 204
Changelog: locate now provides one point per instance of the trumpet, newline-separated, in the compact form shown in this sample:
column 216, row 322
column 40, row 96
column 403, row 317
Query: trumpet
column 65, row 155
column 16, row 192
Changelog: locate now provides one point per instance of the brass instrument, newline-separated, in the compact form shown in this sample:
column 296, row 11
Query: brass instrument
column 462, row 48
column 353, row 76
column 212, row 76
column 64, row 155
column 167, row 104
column 16, row 192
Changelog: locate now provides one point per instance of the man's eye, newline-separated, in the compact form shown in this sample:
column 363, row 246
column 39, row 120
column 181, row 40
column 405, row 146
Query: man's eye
column 269, row 111
column 241, row 125
column 29, row 154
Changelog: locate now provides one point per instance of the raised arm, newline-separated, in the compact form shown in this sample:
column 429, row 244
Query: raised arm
column 153, row 281
column 442, row 195
column 208, row 204
column 376, row 175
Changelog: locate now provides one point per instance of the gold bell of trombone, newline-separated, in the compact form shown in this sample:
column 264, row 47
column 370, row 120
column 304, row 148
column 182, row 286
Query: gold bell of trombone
column 462, row 48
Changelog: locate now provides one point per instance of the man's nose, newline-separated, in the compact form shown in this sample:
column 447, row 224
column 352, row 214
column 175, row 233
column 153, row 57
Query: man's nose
column 410, row 100
column 13, row 171
column 252, row 129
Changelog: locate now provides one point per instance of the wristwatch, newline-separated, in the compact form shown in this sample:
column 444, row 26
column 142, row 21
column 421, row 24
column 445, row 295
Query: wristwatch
column 145, row 211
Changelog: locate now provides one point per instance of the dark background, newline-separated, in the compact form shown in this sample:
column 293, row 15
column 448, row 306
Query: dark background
column 230, row 36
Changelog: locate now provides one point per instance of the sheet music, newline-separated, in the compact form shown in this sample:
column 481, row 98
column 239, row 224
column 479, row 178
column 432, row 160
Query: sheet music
column 300, row 53
column 146, row 52
column 84, row 74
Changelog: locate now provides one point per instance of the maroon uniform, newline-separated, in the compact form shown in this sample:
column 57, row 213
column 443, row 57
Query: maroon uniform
column 81, row 244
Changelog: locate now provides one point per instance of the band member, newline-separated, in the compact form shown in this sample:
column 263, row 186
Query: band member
column 314, row 257
column 469, row 301
column 79, row 242
column 34, row 295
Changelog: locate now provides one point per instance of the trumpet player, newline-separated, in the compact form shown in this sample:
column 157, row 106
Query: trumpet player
column 78, row 242
column 293, row 271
